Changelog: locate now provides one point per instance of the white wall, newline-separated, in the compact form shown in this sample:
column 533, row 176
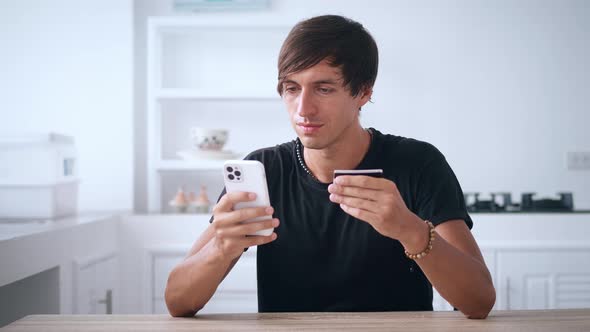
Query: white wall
column 66, row 66
column 502, row 88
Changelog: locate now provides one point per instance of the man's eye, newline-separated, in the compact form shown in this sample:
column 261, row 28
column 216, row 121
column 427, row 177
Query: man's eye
column 290, row 89
column 324, row 90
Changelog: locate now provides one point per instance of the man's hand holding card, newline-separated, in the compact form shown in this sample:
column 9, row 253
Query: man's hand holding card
column 366, row 195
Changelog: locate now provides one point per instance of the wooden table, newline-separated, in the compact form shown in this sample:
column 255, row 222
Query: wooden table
column 534, row 320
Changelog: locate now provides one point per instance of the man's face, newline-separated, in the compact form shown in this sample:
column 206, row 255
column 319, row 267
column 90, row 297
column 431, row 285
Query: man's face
column 321, row 109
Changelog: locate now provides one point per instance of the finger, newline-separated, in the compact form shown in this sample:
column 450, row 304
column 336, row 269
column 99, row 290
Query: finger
column 227, row 201
column 235, row 217
column 354, row 202
column 361, row 214
column 241, row 230
column 250, row 213
column 256, row 240
column 362, row 181
column 370, row 194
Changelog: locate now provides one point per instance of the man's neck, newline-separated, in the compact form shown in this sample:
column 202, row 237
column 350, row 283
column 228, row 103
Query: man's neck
column 346, row 153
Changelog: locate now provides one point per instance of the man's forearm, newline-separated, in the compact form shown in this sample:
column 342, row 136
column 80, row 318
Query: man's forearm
column 462, row 279
column 193, row 282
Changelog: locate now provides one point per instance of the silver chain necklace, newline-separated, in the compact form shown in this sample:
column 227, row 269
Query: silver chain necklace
column 301, row 162
column 300, row 153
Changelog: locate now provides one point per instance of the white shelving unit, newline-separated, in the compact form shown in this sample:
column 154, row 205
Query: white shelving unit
column 183, row 165
column 180, row 94
column 223, row 69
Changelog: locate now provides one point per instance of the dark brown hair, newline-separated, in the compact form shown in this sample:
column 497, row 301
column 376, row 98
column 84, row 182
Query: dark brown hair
column 341, row 41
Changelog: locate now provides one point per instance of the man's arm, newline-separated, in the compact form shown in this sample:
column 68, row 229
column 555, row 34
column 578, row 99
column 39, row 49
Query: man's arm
column 454, row 266
column 193, row 282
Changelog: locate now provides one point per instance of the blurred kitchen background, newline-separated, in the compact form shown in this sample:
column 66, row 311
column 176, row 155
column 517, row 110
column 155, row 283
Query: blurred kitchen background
column 502, row 88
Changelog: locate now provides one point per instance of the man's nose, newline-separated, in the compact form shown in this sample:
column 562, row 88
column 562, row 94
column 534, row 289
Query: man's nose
column 306, row 106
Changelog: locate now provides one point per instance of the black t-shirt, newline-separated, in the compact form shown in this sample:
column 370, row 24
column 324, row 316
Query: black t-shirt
column 326, row 260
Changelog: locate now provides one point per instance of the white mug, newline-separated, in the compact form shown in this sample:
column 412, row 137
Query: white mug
column 208, row 139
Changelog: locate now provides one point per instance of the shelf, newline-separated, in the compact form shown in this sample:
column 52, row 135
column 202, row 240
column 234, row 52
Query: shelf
column 191, row 217
column 168, row 93
column 192, row 165
column 184, row 24
column 214, row 65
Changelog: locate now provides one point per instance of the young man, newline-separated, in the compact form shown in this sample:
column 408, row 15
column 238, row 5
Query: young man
column 357, row 244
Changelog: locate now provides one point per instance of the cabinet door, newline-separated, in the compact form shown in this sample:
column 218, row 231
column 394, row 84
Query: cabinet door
column 84, row 290
column 544, row 279
column 236, row 294
column 95, row 284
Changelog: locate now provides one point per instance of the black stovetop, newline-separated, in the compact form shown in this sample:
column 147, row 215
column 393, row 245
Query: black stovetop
column 502, row 202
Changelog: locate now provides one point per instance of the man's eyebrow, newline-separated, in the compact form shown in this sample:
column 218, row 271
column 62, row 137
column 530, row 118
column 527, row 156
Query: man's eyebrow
column 324, row 81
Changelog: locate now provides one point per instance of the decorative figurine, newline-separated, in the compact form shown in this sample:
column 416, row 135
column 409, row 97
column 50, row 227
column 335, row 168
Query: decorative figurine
column 201, row 203
column 179, row 202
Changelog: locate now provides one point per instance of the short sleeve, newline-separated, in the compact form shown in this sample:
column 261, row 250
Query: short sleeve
column 439, row 195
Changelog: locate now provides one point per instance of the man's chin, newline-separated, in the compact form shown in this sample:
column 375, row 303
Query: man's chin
column 313, row 143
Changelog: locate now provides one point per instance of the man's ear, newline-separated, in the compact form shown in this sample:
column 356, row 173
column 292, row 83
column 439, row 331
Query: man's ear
column 366, row 94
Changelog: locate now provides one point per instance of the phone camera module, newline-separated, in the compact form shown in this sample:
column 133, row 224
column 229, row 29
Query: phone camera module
column 233, row 173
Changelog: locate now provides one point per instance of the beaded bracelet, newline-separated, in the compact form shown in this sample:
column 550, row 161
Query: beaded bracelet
column 428, row 247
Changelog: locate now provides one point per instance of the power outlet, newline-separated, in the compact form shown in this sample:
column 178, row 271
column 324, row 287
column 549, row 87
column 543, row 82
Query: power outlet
column 578, row 160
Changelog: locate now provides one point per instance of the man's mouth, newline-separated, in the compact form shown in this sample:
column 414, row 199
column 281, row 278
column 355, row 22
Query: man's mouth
column 309, row 128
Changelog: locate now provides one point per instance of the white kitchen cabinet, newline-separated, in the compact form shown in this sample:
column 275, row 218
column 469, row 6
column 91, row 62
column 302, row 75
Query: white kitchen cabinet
column 95, row 284
column 196, row 74
column 237, row 292
column 536, row 261
column 82, row 249
column 536, row 277
column 544, row 278
column 232, row 302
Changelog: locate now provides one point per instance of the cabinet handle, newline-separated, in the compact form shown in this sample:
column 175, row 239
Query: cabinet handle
column 108, row 300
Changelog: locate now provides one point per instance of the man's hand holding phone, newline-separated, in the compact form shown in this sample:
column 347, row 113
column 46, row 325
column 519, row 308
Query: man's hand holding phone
column 232, row 233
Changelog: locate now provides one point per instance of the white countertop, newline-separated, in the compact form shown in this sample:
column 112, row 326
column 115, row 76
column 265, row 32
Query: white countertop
column 27, row 248
column 11, row 229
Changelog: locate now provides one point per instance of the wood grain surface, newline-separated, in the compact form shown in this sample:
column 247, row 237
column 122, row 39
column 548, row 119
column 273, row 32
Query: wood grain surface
column 533, row 320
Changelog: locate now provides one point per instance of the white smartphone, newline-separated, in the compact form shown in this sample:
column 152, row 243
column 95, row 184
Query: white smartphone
column 248, row 176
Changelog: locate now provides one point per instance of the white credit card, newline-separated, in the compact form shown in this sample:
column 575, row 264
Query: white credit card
column 377, row 173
